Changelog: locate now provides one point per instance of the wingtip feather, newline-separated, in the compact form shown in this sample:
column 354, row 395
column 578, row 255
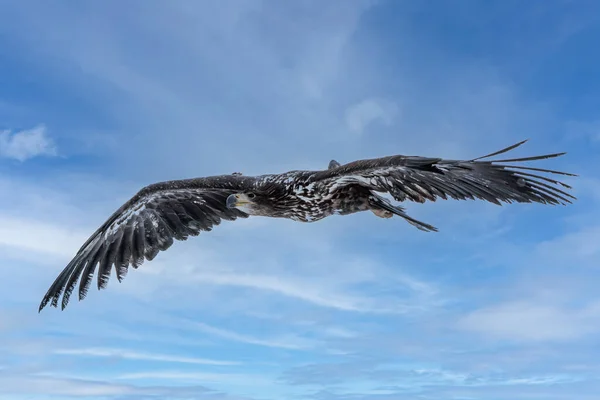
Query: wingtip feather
column 504, row 150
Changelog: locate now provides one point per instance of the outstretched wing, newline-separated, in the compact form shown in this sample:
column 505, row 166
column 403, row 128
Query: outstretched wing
column 143, row 226
column 421, row 178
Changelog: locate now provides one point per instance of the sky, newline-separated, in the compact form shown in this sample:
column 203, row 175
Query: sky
column 98, row 99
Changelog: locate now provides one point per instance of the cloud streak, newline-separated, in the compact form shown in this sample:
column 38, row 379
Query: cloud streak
column 25, row 144
column 134, row 355
column 533, row 321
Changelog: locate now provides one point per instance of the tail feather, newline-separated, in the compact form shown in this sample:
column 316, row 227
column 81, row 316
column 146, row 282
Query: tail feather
column 380, row 202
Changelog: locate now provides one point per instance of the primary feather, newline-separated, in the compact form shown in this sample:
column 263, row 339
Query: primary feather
column 175, row 210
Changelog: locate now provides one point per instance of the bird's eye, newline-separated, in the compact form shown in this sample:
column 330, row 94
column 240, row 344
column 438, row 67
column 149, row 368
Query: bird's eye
column 251, row 195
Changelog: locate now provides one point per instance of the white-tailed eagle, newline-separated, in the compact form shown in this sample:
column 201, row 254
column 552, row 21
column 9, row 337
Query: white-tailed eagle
column 175, row 210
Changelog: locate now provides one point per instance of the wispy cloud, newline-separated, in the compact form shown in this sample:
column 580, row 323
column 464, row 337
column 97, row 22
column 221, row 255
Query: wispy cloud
column 359, row 116
column 245, row 379
column 531, row 321
column 61, row 387
column 290, row 342
column 38, row 236
column 25, row 144
column 134, row 355
column 364, row 374
column 304, row 289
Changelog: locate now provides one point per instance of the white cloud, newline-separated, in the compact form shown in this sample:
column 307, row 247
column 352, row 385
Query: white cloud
column 361, row 115
column 38, row 236
column 134, row 355
column 290, row 342
column 26, row 144
column 205, row 377
column 533, row 321
column 309, row 290
column 581, row 245
column 52, row 385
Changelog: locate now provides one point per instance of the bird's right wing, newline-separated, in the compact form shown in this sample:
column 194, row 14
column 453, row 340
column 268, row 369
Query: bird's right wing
column 143, row 226
column 419, row 179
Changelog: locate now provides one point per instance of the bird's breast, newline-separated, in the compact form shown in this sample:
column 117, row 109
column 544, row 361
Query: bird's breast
column 308, row 204
column 350, row 200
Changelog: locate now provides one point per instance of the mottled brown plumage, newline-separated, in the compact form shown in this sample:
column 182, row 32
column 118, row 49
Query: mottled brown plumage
column 175, row 210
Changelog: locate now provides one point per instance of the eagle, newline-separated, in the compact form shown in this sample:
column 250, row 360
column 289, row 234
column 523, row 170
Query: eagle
column 162, row 212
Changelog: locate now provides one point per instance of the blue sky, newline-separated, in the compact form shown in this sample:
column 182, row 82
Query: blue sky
column 98, row 99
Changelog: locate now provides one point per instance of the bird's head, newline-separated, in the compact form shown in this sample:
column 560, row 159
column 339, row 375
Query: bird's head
column 252, row 203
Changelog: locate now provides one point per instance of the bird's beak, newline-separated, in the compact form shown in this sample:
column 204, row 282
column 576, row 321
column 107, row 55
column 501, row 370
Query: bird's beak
column 235, row 200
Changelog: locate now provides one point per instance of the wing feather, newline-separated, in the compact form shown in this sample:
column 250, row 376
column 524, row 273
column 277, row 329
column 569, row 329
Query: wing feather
column 144, row 226
column 424, row 178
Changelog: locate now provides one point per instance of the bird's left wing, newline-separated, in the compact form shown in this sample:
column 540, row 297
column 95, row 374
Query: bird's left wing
column 423, row 178
column 143, row 226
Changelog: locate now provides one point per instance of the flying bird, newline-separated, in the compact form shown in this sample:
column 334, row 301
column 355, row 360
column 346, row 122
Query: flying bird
column 174, row 210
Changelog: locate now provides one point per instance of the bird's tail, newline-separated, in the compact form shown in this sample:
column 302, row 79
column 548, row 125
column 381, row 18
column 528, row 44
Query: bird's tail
column 376, row 201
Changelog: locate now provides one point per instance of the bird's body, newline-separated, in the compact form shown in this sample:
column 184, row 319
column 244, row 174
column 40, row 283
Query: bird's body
column 300, row 199
column 163, row 212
